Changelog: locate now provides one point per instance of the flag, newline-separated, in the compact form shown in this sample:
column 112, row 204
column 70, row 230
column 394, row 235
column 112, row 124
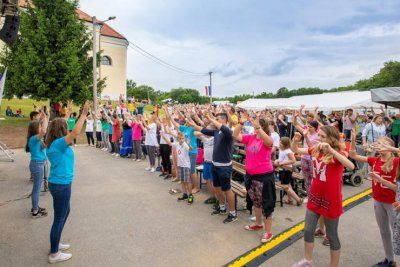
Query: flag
column 208, row 90
column 2, row 83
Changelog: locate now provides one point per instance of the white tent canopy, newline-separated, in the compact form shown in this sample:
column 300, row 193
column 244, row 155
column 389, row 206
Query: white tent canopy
column 388, row 96
column 327, row 101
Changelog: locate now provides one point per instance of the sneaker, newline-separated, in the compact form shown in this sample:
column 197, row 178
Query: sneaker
column 39, row 214
column 266, row 237
column 40, row 209
column 75, row 145
column 162, row 175
column 252, row 218
column 148, row 169
column 138, row 160
column 385, row 263
column 230, row 218
column 183, row 197
column 114, row 154
column 211, row 200
column 152, row 169
column 167, row 177
column 319, row 233
column 59, row 256
column 63, row 247
column 190, row 199
column 325, row 242
column 304, row 263
column 253, row 227
column 218, row 211
column 216, row 205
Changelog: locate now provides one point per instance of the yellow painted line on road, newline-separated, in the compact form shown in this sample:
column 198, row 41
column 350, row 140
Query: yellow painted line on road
column 282, row 237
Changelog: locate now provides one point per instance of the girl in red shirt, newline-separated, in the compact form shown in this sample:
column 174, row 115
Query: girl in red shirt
column 325, row 195
column 384, row 167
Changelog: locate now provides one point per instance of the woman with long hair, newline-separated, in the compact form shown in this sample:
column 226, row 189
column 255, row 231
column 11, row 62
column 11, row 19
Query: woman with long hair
column 116, row 134
column 61, row 157
column 151, row 141
column 37, row 148
column 325, row 194
column 260, row 179
column 137, row 135
column 384, row 166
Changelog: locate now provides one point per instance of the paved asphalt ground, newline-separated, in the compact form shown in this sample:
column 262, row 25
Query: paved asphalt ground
column 124, row 216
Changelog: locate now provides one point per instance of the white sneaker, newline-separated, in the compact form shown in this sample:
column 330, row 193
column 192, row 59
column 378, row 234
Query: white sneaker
column 138, row 160
column 63, row 247
column 59, row 256
column 304, row 263
column 74, row 144
column 152, row 169
column 148, row 169
column 116, row 155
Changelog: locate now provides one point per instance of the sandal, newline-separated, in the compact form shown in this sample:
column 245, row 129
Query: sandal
column 176, row 179
column 289, row 202
column 253, row 227
column 174, row 191
column 300, row 202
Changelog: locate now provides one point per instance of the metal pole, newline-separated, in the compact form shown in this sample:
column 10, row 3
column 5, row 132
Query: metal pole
column 94, row 70
column 210, row 73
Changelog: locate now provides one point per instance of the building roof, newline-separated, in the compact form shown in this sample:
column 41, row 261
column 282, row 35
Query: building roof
column 106, row 30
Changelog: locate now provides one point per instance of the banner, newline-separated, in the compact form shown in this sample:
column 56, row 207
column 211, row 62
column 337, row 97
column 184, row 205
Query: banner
column 208, row 90
column 2, row 83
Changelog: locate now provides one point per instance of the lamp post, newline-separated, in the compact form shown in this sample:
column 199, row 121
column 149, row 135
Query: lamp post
column 95, row 24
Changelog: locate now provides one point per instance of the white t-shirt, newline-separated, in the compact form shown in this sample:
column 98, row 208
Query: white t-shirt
column 183, row 154
column 208, row 144
column 151, row 135
column 98, row 126
column 284, row 156
column 89, row 125
column 276, row 138
column 164, row 132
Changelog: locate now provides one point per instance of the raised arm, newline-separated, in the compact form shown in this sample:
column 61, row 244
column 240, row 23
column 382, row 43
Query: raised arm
column 340, row 157
column 79, row 124
column 353, row 152
column 295, row 145
column 268, row 142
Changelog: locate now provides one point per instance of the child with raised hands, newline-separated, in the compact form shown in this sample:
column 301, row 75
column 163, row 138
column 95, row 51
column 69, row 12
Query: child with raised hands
column 182, row 148
column 325, row 195
column 383, row 174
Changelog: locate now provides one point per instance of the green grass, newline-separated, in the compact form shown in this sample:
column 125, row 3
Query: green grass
column 26, row 105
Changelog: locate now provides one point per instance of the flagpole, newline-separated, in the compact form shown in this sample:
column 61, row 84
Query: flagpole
column 210, row 88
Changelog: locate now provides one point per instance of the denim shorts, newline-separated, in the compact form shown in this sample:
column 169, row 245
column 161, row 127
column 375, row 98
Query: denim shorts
column 222, row 177
column 207, row 171
column 193, row 158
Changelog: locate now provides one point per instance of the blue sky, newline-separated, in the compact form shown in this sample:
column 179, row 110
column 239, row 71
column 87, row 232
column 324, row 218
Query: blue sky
column 255, row 45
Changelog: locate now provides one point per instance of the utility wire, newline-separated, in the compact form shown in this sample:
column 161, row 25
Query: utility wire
column 162, row 62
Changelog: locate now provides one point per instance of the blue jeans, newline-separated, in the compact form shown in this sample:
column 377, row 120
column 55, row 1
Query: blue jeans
column 37, row 173
column 347, row 134
column 61, row 196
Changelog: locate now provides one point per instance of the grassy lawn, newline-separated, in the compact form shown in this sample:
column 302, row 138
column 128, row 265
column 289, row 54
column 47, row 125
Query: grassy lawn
column 13, row 130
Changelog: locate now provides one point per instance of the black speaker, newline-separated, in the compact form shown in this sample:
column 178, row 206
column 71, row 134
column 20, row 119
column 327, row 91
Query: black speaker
column 9, row 32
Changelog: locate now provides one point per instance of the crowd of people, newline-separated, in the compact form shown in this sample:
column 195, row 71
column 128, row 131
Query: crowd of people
column 184, row 136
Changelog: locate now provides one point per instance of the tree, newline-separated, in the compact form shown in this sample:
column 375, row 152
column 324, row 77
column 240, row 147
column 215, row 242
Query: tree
column 185, row 95
column 142, row 92
column 130, row 84
column 51, row 58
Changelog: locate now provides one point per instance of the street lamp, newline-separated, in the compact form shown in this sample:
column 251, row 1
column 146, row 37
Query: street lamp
column 95, row 24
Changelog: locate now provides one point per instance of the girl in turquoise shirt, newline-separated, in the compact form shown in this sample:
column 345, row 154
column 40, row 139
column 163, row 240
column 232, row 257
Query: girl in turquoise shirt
column 61, row 158
column 37, row 149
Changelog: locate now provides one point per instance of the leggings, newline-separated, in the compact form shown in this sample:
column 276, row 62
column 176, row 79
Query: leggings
column 384, row 215
column 89, row 137
column 137, row 147
column 116, row 147
column 165, row 151
column 331, row 229
column 106, row 140
column 151, row 151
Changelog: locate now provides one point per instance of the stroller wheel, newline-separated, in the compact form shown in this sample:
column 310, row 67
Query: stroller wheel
column 356, row 179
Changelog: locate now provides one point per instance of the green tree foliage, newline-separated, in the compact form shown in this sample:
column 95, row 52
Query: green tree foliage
column 142, row 92
column 185, row 95
column 51, row 56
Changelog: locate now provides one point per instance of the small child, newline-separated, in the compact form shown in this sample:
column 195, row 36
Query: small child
column 182, row 149
column 71, row 124
column 89, row 130
column 284, row 163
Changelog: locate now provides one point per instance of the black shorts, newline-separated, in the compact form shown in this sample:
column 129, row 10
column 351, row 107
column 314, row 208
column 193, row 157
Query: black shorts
column 286, row 177
column 222, row 177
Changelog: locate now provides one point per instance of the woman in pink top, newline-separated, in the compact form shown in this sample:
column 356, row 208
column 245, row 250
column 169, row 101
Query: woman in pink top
column 116, row 134
column 137, row 134
column 260, row 180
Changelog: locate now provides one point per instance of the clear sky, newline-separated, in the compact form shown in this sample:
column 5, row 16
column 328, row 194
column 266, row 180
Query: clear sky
column 255, row 45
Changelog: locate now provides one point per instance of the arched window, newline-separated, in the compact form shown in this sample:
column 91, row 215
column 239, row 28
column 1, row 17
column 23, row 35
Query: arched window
column 106, row 60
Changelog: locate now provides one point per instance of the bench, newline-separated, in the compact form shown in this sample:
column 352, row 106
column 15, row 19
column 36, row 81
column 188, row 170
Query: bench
column 241, row 191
